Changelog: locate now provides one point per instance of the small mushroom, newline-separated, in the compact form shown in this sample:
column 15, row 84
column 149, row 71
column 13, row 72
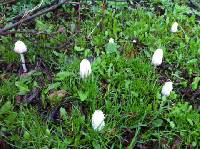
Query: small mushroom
column 157, row 57
column 134, row 41
column 167, row 88
column 85, row 68
column 21, row 48
column 98, row 120
column 174, row 27
column 111, row 40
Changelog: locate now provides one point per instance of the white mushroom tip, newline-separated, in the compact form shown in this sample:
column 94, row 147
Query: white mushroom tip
column 174, row 27
column 20, row 47
column 167, row 88
column 134, row 41
column 157, row 57
column 85, row 68
column 111, row 40
column 98, row 120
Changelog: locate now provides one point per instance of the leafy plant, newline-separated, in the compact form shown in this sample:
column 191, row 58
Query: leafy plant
column 195, row 83
column 111, row 48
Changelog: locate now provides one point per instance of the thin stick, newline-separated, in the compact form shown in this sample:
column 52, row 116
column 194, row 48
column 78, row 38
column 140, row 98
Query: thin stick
column 35, row 11
column 30, row 11
column 89, row 35
column 79, row 16
column 33, row 16
column 8, row 2
column 33, row 32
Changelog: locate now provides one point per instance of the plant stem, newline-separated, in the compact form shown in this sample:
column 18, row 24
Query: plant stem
column 23, row 63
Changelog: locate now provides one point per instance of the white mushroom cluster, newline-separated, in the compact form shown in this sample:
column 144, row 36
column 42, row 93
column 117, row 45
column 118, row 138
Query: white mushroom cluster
column 98, row 116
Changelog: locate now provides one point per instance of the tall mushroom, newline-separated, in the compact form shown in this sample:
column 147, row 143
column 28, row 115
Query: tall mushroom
column 98, row 120
column 21, row 48
column 157, row 57
column 85, row 68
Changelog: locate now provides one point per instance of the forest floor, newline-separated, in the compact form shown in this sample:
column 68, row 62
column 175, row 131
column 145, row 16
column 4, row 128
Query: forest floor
column 50, row 106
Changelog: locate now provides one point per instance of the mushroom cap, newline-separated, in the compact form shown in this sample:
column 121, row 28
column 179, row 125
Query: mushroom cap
column 157, row 57
column 111, row 40
column 174, row 27
column 20, row 47
column 98, row 120
column 134, row 41
column 85, row 68
column 175, row 24
column 167, row 88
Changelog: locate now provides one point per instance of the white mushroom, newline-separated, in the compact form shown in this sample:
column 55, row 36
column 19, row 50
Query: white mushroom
column 174, row 27
column 85, row 68
column 167, row 88
column 134, row 41
column 157, row 57
column 98, row 120
column 21, row 48
column 111, row 40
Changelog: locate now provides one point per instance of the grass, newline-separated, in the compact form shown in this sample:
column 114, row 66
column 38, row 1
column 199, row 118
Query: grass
column 123, row 84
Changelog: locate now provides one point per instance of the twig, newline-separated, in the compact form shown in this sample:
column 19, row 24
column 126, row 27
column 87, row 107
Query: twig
column 3, row 31
column 33, row 32
column 33, row 16
column 79, row 16
column 30, row 11
column 8, row 2
column 89, row 35
column 23, row 31
column 36, row 10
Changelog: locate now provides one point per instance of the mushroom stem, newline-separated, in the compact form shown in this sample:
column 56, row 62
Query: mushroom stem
column 23, row 62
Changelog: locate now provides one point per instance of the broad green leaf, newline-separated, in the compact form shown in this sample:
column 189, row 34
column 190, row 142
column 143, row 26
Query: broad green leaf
column 6, row 108
column 78, row 49
column 192, row 61
column 195, row 83
column 52, row 86
column 63, row 113
column 172, row 124
column 157, row 123
column 111, row 48
column 83, row 96
column 190, row 121
column 26, row 135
